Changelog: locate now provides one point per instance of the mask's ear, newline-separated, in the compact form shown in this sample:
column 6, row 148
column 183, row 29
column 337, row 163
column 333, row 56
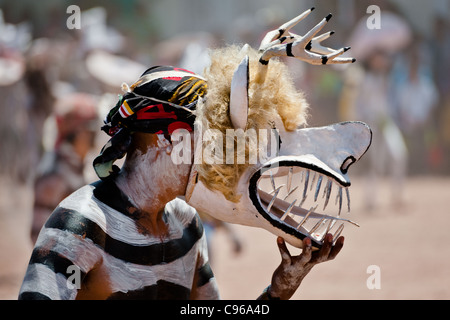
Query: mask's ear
column 239, row 95
column 114, row 149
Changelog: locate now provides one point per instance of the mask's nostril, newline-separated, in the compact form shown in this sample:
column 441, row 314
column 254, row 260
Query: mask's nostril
column 347, row 163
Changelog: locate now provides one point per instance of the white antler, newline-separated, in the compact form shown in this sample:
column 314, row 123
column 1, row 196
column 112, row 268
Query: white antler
column 282, row 42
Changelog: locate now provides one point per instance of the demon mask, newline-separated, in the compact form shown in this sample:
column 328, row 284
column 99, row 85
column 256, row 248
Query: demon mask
column 300, row 189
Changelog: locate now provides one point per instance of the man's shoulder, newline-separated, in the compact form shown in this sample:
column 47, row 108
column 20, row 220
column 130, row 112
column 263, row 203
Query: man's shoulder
column 180, row 206
column 184, row 213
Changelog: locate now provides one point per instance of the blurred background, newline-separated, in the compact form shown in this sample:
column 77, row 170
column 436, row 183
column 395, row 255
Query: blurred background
column 57, row 83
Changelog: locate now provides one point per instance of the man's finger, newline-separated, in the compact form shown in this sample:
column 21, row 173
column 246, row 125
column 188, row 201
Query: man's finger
column 305, row 256
column 285, row 255
column 326, row 247
column 336, row 248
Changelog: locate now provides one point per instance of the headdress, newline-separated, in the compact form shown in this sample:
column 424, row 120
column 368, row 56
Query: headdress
column 160, row 101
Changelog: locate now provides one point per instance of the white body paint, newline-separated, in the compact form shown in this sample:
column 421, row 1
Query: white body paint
column 146, row 177
column 121, row 276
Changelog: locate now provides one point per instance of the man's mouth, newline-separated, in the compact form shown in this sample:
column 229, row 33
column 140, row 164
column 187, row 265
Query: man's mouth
column 302, row 198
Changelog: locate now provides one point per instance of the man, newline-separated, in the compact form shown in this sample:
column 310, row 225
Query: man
column 62, row 168
column 131, row 236
column 128, row 236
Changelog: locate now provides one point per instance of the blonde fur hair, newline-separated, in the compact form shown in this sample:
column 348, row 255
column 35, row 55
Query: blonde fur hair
column 271, row 92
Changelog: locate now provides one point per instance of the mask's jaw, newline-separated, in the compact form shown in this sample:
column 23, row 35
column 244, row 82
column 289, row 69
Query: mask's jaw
column 301, row 196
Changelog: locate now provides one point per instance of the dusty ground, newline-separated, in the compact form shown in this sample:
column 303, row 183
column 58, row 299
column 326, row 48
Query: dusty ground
column 409, row 245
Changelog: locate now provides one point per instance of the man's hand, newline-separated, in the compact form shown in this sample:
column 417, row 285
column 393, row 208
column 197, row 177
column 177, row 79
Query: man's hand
column 290, row 273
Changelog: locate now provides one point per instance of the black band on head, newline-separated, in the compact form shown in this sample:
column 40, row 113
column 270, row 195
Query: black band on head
column 263, row 62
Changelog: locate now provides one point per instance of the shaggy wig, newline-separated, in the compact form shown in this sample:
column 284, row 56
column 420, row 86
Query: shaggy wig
column 271, row 92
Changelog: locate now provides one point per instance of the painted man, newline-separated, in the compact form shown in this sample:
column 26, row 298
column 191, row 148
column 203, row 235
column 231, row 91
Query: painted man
column 131, row 236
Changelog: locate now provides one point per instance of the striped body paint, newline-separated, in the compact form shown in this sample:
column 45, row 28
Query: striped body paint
column 96, row 230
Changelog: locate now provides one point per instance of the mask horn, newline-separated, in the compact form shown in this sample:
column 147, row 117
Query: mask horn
column 239, row 95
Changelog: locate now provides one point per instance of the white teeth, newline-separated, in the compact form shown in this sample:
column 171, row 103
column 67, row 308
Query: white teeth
column 305, row 218
column 289, row 179
column 288, row 210
column 273, row 199
column 305, row 189
column 339, row 196
column 329, row 227
column 319, row 182
column 274, row 190
column 338, row 233
column 295, row 182
column 290, row 192
column 316, row 226
column 347, row 192
column 272, row 180
column 313, row 180
column 327, row 191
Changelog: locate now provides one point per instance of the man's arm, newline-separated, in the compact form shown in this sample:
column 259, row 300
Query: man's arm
column 204, row 285
column 60, row 259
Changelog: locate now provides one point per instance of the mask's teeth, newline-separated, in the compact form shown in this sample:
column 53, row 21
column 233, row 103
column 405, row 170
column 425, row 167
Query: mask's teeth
column 288, row 210
column 347, row 192
column 289, row 179
column 339, row 196
column 327, row 191
column 274, row 190
column 319, row 182
column 306, row 217
column 290, row 192
column 338, row 233
column 316, row 226
column 329, row 227
column 273, row 199
column 272, row 180
column 305, row 189
column 315, row 174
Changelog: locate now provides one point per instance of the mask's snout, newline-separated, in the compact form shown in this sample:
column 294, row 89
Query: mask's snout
column 334, row 148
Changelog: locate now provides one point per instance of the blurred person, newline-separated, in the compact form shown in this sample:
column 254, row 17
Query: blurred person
column 61, row 169
column 440, row 49
column 416, row 97
column 368, row 95
column 26, row 101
